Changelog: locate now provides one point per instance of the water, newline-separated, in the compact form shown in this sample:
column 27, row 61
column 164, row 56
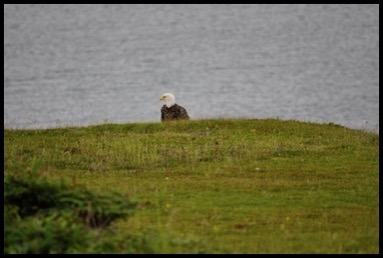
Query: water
column 68, row 65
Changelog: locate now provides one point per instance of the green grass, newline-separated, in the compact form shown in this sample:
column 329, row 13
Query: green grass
column 224, row 185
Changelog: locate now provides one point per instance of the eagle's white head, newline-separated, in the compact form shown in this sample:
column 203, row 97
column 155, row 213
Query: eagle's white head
column 168, row 99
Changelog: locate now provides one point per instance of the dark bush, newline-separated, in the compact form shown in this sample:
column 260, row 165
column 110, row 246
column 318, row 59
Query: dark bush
column 56, row 232
column 96, row 210
column 46, row 216
column 30, row 193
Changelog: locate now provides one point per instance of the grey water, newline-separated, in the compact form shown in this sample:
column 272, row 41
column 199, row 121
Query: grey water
column 77, row 65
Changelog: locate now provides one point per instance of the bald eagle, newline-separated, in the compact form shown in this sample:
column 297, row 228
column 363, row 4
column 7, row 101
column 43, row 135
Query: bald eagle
column 171, row 110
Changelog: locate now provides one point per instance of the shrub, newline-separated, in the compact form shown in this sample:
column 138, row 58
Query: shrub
column 56, row 232
column 44, row 216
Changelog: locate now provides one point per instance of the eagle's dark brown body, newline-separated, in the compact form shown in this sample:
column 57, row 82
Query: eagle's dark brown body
column 175, row 112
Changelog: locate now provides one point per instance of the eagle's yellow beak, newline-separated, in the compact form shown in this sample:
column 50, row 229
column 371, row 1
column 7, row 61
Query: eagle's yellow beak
column 162, row 97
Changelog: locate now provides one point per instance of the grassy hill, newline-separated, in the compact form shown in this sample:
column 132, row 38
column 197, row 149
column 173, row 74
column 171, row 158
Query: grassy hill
column 219, row 186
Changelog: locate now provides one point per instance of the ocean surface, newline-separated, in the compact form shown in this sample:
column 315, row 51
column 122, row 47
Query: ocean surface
column 77, row 65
